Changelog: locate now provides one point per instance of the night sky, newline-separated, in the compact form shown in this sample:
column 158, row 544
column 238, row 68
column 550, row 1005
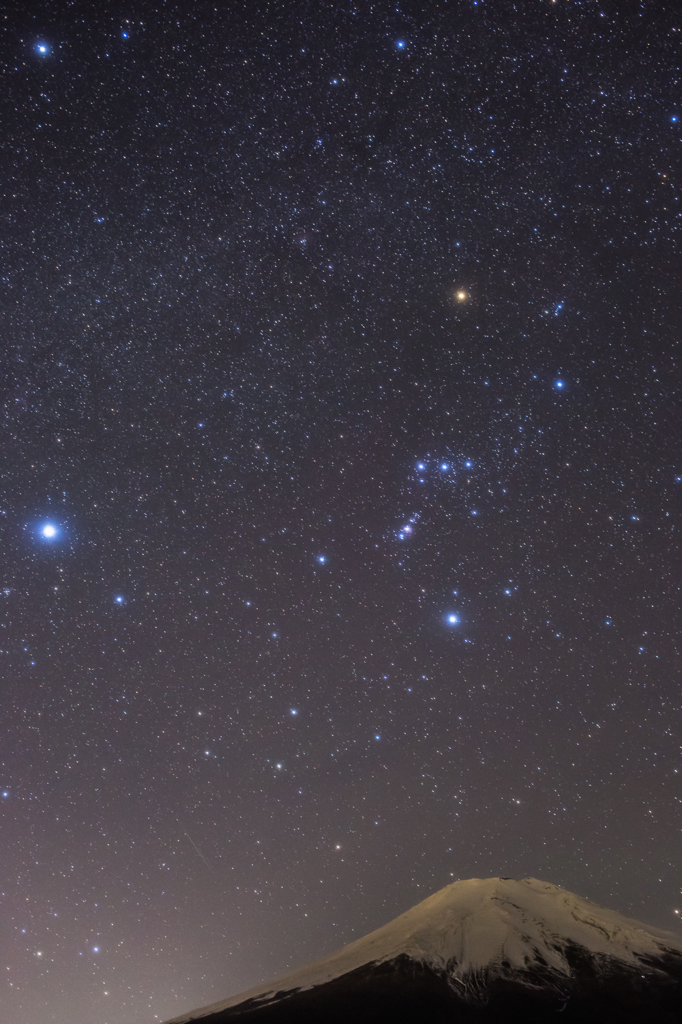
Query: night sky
column 341, row 478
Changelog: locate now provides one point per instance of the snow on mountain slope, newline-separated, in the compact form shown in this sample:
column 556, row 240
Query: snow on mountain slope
column 476, row 930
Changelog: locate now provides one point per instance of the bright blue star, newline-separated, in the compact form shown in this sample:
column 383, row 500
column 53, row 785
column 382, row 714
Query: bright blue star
column 468, row 465
column 119, row 599
column 559, row 384
column 42, row 48
column 294, row 711
column 400, row 44
column 452, row 619
column 49, row 531
column 673, row 118
column 421, row 466
column 444, row 466
column 124, row 35
column 322, row 558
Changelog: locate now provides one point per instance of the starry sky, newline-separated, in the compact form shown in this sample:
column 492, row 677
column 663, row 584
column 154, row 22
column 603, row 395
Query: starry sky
column 340, row 478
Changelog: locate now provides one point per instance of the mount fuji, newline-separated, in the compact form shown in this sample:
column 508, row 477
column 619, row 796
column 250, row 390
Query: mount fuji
column 482, row 951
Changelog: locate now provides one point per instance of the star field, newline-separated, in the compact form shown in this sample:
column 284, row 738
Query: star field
column 341, row 479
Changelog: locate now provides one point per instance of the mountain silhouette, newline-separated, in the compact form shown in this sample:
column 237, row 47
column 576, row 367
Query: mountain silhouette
column 482, row 951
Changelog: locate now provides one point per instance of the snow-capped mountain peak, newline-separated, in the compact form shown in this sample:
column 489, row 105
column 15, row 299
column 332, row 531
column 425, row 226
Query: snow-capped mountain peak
column 473, row 938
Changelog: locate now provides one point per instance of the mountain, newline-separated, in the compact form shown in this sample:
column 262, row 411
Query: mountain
column 482, row 951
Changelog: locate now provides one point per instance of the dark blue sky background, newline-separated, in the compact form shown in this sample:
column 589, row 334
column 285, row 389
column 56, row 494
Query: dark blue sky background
column 269, row 682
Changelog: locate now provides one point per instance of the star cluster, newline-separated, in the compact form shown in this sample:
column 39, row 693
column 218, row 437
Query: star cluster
column 340, row 502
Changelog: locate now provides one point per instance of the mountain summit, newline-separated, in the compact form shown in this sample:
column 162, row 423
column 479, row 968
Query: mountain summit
column 482, row 951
